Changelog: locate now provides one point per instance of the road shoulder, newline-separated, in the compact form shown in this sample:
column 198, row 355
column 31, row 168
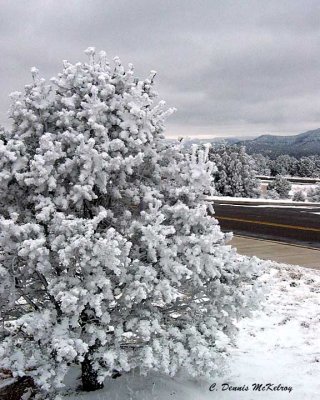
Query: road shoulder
column 277, row 251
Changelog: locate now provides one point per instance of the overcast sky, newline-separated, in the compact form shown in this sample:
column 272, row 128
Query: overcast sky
column 230, row 67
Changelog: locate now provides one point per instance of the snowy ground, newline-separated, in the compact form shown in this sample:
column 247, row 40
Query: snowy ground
column 301, row 187
column 280, row 345
column 295, row 187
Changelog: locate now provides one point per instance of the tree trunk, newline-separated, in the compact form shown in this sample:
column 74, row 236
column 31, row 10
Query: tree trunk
column 89, row 376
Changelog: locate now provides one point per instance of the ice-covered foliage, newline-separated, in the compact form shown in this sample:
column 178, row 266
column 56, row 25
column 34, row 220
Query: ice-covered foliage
column 261, row 164
column 280, row 185
column 287, row 165
column 109, row 255
column 235, row 173
column 272, row 194
column 299, row 196
column 313, row 194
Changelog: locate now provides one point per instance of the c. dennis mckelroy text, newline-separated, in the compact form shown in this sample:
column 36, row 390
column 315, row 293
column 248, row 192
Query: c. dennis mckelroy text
column 255, row 387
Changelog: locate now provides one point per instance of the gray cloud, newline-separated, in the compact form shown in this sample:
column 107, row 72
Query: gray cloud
column 230, row 67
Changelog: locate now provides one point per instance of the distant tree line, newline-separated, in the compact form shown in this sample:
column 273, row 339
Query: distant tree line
column 308, row 166
column 235, row 174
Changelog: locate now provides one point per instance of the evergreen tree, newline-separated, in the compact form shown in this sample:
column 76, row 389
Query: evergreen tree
column 261, row 164
column 306, row 167
column 313, row 194
column 317, row 166
column 272, row 194
column 281, row 185
column 281, row 165
column 235, row 174
column 299, row 196
column 109, row 257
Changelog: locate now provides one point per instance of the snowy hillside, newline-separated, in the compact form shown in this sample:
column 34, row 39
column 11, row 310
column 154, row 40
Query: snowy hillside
column 304, row 144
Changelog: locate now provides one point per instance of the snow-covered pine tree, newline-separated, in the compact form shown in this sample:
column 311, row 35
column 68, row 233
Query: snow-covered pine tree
column 235, row 173
column 272, row 194
column 299, row 196
column 281, row 185
column 283, row 165
column 313, row 194
column 261, row 164
column 306, row 166
column 109, row 258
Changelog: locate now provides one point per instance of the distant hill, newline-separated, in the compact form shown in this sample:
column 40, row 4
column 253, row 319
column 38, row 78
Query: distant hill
column 215, row 140
column 304, row 144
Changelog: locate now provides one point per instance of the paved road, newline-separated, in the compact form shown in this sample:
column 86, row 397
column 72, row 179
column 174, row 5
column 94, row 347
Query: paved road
column 275, row 251
column 287, row 224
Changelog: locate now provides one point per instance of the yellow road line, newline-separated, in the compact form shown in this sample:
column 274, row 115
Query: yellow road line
column 250, row 221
